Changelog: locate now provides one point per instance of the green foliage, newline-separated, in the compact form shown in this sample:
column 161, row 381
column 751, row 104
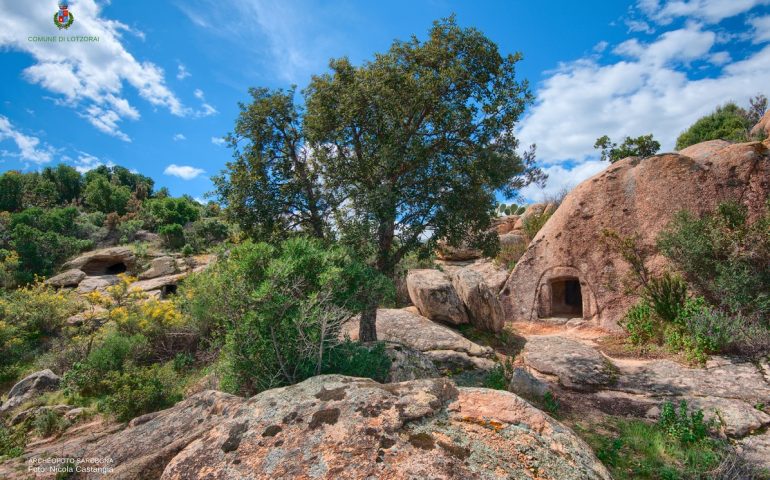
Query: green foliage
column 67, row 181
column 635, row 449
column 40, row 253
column 127, row 230
column 158, row 212
column 12, row 441
column 9, row 268
column 551, row 404
column 49, row 422
column 533, row 223
column 106, row 197
column 499, row 378
column 206, row 233
column 684, row 427
column 641, row 324
column 278, row 308
column 643, row 146
column 357, row 360
column 11, row 191
column 728, row 122
column 140, row 390
column 724, row 257
column 508, row 255
column 172, row 235
column 666, row 295
column 29, row 318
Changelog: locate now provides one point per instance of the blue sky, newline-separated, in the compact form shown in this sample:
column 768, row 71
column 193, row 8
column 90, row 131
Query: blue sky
column 162, row 85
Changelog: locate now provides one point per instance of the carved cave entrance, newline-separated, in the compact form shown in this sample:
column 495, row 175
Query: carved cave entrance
column 566, row 297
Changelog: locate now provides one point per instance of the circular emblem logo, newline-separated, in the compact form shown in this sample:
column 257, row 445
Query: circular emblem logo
column 63, row 18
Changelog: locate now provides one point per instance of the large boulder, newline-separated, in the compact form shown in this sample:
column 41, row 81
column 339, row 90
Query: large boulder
column 444, row 251
column 29, row 388
column 576, row 365
column 331, row 427
column 568, row 268
column 446, row 348
column 481, row 302
column 431, row 291
column 107, row 261
column 159, row 267
column 70, row 278
column 100, row 283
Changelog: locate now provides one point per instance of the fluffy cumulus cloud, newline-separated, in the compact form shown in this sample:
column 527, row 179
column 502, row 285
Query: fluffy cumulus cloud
column 709, row 11
column 218, row 141
column 29, row 148
column 761, row 26
column 179, row 137
column 184, row 172
column 642, row 87
column 85, row 162
column 90, row 76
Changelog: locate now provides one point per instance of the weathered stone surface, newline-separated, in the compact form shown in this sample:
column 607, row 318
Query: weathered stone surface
column 504, row 224
column 431, row 291
column 97, row 283
column 494, row 275
column 631, row 197
column 408, row 364
column 159, row 267
column 417, row 332
column 104, row 262
column 70, row 278
column 35, row 411
column 481, row 302
column 721, row 378
column 444, row 251
column 158, row 283
column 525, row 385
column 332, row 427
column 30, row 387
column 756, row 450
column 578, row 366
column 763, row 126
column 513, row 239
column 704, row 150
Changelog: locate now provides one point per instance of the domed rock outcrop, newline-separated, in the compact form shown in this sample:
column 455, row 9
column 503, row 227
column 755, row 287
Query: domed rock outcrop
column 570, row 271
column 334, row 427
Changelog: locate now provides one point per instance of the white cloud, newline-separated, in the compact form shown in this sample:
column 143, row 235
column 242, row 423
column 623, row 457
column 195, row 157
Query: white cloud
column 601, row 46
column 562, row 178
column 182, row 72
column 92, row 76
column 761, row 26
column 86, row 162
column 198, row 94
column 218, row 141
column 179, row 137
column 184, row 172
column 710, row 11
column 647, row 92
column 720, row 58
column 206, row 109
column 639, row 26
column 29, row 148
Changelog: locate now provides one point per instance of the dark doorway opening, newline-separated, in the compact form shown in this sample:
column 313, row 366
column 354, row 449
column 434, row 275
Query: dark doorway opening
column 167, row 290
column 116, row 269
column 566, row 297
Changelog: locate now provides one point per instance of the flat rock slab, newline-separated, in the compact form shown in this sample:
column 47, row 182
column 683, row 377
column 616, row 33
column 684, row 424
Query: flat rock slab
column 578, row 366
column 756, row 450
column 722, row 377
column 735, row 417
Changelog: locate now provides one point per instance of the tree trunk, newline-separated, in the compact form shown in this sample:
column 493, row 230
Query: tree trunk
column 367, row 327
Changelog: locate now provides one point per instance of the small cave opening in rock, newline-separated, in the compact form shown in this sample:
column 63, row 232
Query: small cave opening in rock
column 99, row 267
column 167, row 290
column 566, row 297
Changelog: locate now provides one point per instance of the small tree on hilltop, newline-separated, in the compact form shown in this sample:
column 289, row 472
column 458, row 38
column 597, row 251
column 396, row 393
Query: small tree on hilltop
column 643, row 146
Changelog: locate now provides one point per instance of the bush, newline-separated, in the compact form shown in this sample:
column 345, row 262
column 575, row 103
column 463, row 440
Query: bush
column 666, row 295
column 207, row 232
column 172, row 235
column 9, row 268
column 643, row 146
column 682, row 426
column 141, row 390
column 508, row 255
column 127, row 230
column 534, row 223
column 158, row 212
column 356, row 360
column 12, row 441
column 729, row 122
column 40, row 253
column 49, row 422
column 29, row 318
column 724, row 257
column 641, row 324
column 278, row 308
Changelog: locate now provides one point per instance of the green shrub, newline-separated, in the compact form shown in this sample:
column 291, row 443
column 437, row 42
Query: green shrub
column 128, row 229
column 103, row 196
column 643, row 146
column 356, row 360
column 205, row 233
column 172, row 235
column 40, row 253
column 551, row 404
column 666, row 295
column 682, row 426
column 499, row 378
column 158, row 212
column 534, row 223
column 49, row 422
column 509, row 254
column 641, row 324
column 9, row 268
column 278, row 308
column 140, row 390
column 724, row 257
column 729, row 122
column 12, row 441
